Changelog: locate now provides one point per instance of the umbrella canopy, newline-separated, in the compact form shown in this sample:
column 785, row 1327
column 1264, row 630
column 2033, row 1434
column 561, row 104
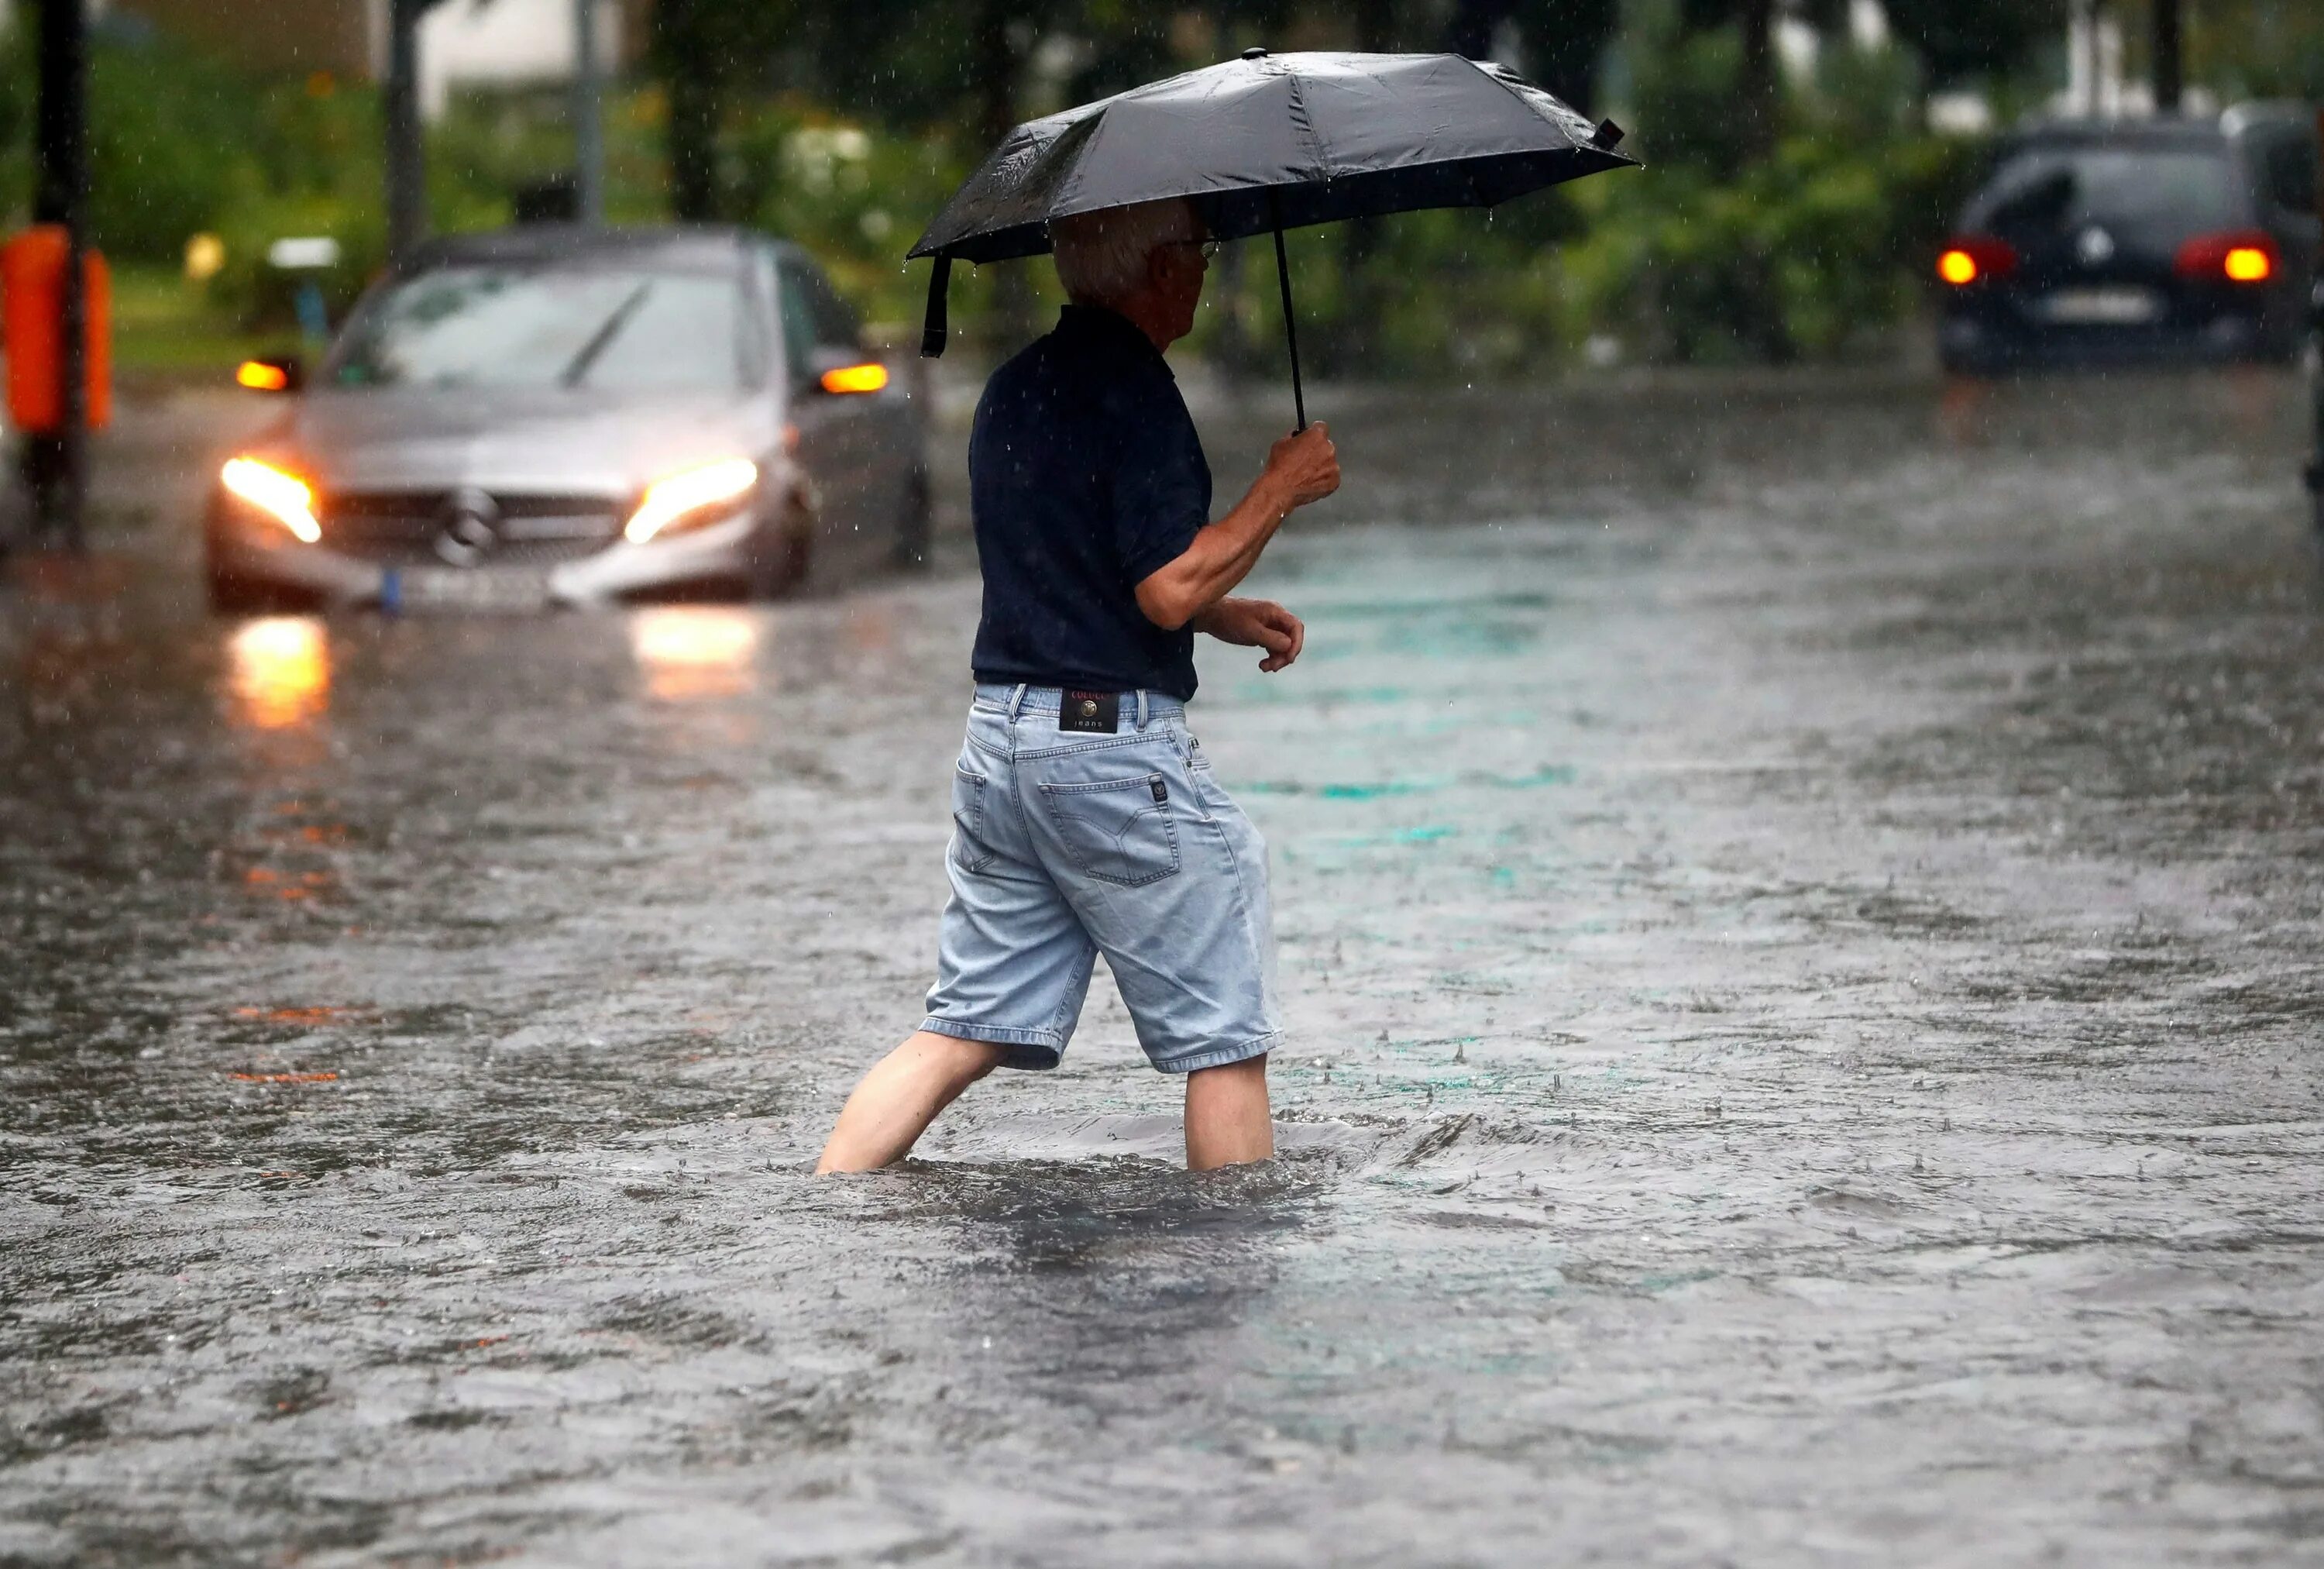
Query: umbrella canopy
column 1274, row 141
column 1271, row 143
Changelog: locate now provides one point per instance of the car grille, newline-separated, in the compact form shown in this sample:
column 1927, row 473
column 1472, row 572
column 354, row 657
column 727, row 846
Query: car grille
column 400, row 526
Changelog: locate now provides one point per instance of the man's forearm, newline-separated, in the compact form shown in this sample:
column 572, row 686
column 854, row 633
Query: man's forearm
column 1221, row 556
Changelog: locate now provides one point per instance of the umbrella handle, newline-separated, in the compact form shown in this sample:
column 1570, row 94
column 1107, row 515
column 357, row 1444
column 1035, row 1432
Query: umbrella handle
column 1290, row 323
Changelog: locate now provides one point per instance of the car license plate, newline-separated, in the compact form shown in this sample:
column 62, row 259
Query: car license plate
column 2102, row 307
column 483, row 588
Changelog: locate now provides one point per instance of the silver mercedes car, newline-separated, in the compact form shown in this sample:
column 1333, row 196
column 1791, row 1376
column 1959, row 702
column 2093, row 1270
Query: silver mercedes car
column 553, row 415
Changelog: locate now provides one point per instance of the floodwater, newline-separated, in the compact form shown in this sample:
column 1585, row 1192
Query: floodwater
column 1798, row 906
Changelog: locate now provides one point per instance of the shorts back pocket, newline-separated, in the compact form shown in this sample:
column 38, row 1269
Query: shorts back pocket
column 969, row 849
column 1117, row 831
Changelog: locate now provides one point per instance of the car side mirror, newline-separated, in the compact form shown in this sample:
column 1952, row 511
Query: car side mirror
column 839, row 369
column 284, row 373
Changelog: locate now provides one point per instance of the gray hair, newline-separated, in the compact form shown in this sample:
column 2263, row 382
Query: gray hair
column 1101, row 255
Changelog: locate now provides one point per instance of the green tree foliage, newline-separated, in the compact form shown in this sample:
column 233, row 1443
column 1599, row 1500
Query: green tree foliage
column 1777, row 218
column 182, row 144
column 2257, row 48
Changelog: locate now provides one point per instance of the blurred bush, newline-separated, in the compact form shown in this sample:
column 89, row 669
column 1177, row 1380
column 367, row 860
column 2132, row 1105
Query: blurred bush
column 855, row 195
column 1816, row 251
column 180, row 144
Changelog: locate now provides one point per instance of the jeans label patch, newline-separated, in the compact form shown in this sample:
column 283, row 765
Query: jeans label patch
column 1161, row 791
column 1095, row 713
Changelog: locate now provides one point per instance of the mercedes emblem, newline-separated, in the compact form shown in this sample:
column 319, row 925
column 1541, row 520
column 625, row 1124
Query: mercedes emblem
column 467, row 535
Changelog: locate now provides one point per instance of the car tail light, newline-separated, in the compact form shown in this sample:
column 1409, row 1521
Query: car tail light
column 1969, row 259
column 2242, row 257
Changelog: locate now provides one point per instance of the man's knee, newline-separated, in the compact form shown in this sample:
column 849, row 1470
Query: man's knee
column 962, row 1062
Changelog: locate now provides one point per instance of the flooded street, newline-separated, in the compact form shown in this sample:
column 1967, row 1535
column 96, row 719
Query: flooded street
column 1798, row 905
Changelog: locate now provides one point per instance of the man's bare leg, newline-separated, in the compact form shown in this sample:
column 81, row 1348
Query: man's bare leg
column 901, row 1096
column 1227, row 1120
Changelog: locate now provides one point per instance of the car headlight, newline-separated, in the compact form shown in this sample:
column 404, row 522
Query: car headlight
column 694, row 495
column 286, row 498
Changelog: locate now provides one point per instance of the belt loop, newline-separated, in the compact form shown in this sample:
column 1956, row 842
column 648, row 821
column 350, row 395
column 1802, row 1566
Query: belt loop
column 1016, row 701
column 1141, row 708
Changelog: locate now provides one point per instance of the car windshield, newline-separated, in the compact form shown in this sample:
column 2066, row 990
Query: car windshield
column 603, row 328
column 2166, row 192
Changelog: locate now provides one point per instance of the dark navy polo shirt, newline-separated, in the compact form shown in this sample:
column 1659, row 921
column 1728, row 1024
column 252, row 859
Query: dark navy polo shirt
column 1085, row 476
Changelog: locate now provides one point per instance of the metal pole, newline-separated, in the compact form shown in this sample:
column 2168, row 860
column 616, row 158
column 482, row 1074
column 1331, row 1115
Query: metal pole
column 2169, row 73
column 2315, row 475
column 588, row 119
column 59, row 460
column 1290, row 321
column 407, row 168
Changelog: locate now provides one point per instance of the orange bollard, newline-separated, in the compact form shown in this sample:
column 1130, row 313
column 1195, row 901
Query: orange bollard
column 31, row 286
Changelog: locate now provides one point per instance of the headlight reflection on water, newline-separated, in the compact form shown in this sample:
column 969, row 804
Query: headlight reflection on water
column 278, row 671
column 688, row 652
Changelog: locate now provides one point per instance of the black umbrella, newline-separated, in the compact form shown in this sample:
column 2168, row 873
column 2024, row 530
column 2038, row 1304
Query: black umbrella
column 1271, row 143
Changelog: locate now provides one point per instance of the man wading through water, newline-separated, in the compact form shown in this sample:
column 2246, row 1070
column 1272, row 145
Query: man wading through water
column 1085, row 818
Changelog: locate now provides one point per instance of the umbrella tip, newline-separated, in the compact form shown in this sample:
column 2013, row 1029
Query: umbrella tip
column 1254, row 53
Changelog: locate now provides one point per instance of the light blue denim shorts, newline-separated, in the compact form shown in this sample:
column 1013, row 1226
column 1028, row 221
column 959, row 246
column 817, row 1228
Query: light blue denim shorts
column 1065, row 845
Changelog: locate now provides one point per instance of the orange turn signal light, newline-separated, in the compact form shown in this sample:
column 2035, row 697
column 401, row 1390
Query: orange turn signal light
column 1958, row 268
column 261, row 377
column 864, row 378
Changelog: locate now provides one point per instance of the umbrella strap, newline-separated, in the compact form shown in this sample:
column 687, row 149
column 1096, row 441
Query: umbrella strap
column 937, row 328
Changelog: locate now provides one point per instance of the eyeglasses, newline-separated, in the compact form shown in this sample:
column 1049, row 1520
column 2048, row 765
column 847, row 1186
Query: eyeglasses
column 1209, row 248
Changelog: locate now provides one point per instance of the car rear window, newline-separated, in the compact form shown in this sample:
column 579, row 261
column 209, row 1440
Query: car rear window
column 2165, row 192
column 600, row 329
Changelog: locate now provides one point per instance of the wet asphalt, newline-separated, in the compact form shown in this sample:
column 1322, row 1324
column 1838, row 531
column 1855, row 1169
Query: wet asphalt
column 1799, row 905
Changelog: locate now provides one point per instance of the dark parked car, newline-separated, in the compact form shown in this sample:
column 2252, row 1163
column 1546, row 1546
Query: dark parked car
column 2093, row 242
column 558, row 415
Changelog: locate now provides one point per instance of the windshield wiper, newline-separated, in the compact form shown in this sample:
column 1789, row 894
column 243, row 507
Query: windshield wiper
column 602, row 338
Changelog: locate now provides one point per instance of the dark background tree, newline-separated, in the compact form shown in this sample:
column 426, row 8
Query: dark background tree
column 1961, row 41
column 1565, row 43
column 702, row 52
column 1753, row 22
